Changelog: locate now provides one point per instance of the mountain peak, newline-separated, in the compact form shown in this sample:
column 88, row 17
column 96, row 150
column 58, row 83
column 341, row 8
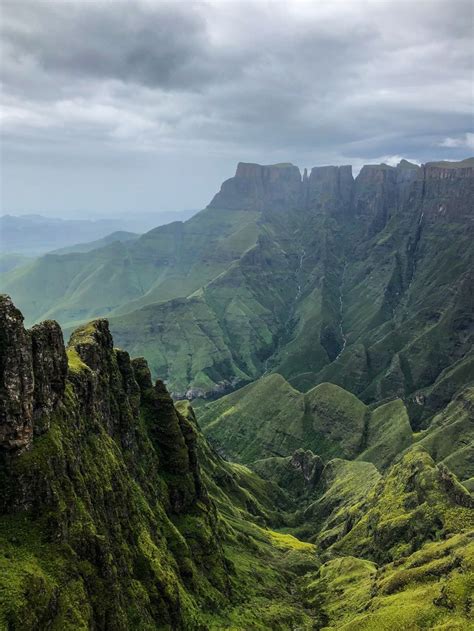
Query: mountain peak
column 259, row 187
column 405, row 164
column 33, row 370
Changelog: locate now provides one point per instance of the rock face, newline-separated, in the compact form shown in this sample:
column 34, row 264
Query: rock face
column 259, row 188
column 329, row 189
column 280, row 188
column 310, row 465
column 17, row 380
column 49, row 369
column 33, row 368
column 447, row 191
column 99, row 455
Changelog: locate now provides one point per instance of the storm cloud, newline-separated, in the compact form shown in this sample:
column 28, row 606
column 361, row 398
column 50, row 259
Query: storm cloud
column 109, row 106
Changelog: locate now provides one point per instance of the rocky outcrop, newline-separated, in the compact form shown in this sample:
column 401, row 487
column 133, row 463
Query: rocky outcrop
column 16, row 380
column 175, row 441
column 329, row 189
column 99, row 458
column 49, row 369
column 33, row 368
column 111, row 389
column 310, row 465
column 275, row 187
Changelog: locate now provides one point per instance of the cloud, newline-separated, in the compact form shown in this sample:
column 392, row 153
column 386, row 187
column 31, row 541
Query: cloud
column 216, row 81
column 467, row 141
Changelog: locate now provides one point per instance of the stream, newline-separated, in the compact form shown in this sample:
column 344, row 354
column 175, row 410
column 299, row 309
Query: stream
column 286, row 326
column 341, row 312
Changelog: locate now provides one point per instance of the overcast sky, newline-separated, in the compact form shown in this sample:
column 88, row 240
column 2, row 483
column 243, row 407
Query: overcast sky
column 111, row 107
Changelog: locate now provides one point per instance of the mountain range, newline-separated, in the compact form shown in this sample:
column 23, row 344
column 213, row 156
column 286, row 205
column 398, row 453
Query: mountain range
column 34, row 234
column 366, row 283
column 117, row 513
column 292, row 446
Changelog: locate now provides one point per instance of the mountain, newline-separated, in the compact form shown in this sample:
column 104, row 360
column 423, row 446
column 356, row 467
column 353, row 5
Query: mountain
column 327, row 419
column 34, row 234
column 365, row 283
column 162, row 264
column 11, row 261
column 114, row 513
column 120, row 235
column 333, row 423
column 117, row 513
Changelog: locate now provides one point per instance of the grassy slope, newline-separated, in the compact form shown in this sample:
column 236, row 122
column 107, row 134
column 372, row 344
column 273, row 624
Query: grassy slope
column 397, row 550
column 96, row 543
column 284, row 291
column 327, row 419
column 220, row 334
column 165, row 263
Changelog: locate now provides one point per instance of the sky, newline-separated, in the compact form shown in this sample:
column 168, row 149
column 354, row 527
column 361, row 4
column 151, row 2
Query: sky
column 141, row 106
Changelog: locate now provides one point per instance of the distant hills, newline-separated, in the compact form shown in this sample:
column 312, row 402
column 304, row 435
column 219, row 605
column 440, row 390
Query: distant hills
column 324, row 328
column 366, row 283
column 120, row 235
column 33, row 235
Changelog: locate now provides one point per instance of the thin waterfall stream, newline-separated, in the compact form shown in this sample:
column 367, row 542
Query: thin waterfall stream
column 286, row 326
column 341, row 313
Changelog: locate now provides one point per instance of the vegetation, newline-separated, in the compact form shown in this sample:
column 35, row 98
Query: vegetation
column 364, row 284
column 330, row 488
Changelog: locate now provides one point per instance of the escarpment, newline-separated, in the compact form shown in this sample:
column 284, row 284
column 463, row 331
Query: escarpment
column 115, row 513
column 96, row 459
column 33, row 368
column 320, row 277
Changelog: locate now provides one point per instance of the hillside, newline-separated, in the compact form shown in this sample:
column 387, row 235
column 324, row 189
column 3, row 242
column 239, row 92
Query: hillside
column 364, row 283
column 116, row 512
column 165, row 263
column 269, row 418
column 120, row 235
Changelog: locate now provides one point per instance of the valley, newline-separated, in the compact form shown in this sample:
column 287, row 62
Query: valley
column 292, row 446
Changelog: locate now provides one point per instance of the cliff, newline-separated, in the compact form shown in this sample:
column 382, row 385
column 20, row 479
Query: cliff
column 117, row 514
column 106, row 521
column 256, row 187
column 321, row 278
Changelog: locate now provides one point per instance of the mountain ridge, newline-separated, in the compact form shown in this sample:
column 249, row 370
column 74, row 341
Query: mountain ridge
column 320, row 261
column 116, row 513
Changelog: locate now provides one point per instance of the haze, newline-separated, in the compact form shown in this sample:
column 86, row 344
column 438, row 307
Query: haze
column 144, row 106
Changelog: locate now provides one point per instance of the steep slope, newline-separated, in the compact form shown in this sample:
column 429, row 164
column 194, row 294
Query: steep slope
column 116, row 513
column 450, row 437
column 106, row 521
column 396, row 550
column 374, row 278
column 429, row 589
column 365, row 283
column 221, row 334
column 270, row 418
column 167, row 262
